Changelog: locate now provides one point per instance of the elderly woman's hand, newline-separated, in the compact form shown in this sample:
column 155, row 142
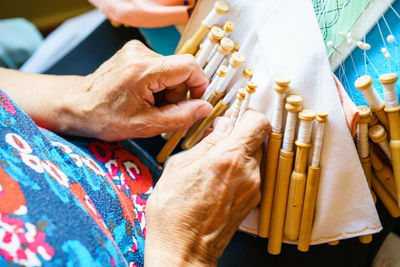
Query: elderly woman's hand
column 138, row 93
column 205, row 193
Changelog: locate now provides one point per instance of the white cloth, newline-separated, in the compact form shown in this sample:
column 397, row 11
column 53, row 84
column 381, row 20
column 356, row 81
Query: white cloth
column 287, row 42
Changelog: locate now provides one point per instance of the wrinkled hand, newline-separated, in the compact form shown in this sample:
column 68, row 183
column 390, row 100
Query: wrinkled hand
column 137, row 93
column 205, row 193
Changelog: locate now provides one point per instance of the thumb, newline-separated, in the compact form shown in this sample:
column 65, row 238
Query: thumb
column 222, row 130
column 178, row 116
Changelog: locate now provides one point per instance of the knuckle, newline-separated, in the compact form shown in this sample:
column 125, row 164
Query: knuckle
column 133, row 44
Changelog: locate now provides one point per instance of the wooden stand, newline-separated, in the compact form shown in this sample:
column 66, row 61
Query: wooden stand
column 191, row 45
column 394, row 123
column 279, row 205
column 298, row 181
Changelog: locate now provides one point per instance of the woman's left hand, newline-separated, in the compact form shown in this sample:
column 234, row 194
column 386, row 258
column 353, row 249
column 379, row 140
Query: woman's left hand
column 136, row 93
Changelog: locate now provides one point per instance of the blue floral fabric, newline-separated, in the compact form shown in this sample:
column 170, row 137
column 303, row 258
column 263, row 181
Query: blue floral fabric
column 69, row 203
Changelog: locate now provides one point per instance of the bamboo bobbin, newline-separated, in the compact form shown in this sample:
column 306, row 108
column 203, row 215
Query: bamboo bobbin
column 384, row 174
column 247, row 74
column 224, row 48
column 217, row 82
column 373, row 121
column 236, row 62
column 240, row 97
column 378, row 135
column 236, row 47
column 392, row 109
column 298, row 178
column 250, row 90
column 282, row 185
column 387, row 201
column 311, row 191
column 333, row 243
column 363, row 152
column 191, row 45
column 214, row 37
column 170, row 146
column 364, row 84
column 196, row 136
column 271, row 157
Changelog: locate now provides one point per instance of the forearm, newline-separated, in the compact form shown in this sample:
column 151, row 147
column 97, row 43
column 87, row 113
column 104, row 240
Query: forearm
column 43, row 97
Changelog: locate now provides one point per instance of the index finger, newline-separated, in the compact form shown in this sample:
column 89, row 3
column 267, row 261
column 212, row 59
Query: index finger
column 182, row 69
column 250, row 132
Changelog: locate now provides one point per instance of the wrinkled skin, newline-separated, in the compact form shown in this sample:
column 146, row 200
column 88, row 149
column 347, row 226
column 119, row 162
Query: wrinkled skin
column 205, row 193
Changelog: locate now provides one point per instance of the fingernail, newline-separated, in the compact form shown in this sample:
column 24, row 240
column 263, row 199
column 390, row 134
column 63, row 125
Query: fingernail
column 204, row 110
column 224, row 125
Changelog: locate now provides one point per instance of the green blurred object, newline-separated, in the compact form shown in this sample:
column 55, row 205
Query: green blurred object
column 19, row 40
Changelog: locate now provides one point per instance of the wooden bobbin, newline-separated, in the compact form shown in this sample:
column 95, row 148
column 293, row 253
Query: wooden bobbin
column 191, row 45
column 216, row 94
column 240, row 97
column 229, row 26
column 205, row 123
column 373, row 121
column 224, row 48
column 169, row 146
column 384, row 174
column 271, row 164
column 310, row 198
column 333, row 243
column 365, row 83
column 214, row 37
column 285, row 163
column 386, row 199
column 365, row 115
column 394, row 123
column 378, row 135
column 297, row 184
column 250, row 90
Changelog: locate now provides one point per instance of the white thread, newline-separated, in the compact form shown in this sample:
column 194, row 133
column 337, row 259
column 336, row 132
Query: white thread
column 225, row 62
column 288, row 137
column 213, row 64
column 305, row 129
column 225, row 81
column 232, row 93
column 372, row 97
column 319, row 139
column 390, row 94
column 245, row 105
column 236, row 112
column 386, row 148
column 362, row 140
column 210, row 88
column 211, row 18
column 204, row 52
column 213, row 52
column 240, row 83
column 277, row 112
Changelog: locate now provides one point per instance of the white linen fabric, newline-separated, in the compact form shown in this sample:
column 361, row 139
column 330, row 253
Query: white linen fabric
column 282, row 38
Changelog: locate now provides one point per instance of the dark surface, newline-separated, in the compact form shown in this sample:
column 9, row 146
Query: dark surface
column 244, row 249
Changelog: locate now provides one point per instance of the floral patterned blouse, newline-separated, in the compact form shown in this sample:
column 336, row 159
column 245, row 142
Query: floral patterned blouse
column 69, row 203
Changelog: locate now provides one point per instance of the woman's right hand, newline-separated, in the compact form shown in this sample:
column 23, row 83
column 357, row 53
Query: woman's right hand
column 205, row 193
